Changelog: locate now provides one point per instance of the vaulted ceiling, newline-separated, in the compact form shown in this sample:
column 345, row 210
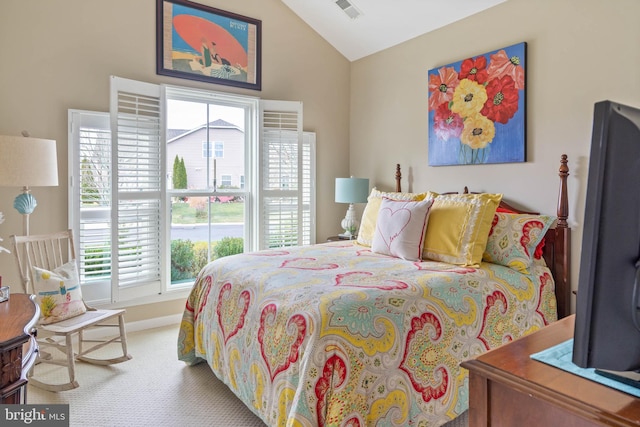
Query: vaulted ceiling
column 358, row 28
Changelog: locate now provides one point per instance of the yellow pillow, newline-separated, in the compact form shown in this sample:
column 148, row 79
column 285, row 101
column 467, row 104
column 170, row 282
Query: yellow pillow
column 459, row 226
column 370, row 213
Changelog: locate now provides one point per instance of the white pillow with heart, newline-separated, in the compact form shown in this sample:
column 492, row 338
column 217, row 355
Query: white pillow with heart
column 400, row 228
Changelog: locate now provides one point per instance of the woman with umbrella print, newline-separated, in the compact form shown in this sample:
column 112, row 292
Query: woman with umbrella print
column 206, row 38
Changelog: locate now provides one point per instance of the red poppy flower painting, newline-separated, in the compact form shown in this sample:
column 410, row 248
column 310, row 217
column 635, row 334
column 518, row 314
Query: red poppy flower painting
column 477, row 109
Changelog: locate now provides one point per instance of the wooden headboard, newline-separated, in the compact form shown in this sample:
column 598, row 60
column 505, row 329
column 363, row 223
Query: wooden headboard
column 557, row 248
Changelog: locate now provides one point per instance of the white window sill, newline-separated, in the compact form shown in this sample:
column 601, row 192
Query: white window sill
column 180, row 294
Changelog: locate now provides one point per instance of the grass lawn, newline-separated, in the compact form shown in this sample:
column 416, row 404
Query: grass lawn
column 183, row 213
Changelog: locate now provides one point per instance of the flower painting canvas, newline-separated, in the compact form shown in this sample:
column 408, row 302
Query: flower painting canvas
column 477, row 109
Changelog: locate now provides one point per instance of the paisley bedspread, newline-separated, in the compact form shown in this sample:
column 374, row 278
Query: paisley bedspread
column 335, row 335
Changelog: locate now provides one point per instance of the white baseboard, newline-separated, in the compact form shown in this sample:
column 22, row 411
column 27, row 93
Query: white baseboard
column 140, row 325
column 156, row 322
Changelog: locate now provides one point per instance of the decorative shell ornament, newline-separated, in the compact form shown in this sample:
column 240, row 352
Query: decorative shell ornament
column 25, row 203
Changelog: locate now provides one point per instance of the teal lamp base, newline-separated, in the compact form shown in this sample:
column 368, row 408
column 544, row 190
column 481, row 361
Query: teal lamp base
column 25, row 203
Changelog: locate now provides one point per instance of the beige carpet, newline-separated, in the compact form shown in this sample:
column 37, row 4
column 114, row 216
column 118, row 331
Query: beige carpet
column 152, row 389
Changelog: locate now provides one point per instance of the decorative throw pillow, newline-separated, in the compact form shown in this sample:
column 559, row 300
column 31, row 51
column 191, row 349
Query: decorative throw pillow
column 370, row 213
column 58, row 293
column 505, row 210
column 515, row 238
column 459, row 226
column 400, row 228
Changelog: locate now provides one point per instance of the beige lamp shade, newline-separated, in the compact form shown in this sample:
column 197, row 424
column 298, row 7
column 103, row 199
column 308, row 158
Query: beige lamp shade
column 28, row 162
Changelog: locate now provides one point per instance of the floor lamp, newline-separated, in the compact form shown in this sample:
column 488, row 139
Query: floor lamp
column 27, row 162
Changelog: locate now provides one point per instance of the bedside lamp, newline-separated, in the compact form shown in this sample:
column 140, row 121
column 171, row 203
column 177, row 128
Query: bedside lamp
column 27, row 162
column 351, row 190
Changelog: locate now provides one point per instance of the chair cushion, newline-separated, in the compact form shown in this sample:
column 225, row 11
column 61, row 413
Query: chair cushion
column 58, row 293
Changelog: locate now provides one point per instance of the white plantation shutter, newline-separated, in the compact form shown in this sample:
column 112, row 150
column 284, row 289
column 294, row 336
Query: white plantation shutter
column 284, row 217
column 116, row 194
column 138, row 197
column 308, row 188
column 90, row 201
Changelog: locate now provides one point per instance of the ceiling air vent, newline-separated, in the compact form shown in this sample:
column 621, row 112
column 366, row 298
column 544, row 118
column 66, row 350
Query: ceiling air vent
column 349, row 8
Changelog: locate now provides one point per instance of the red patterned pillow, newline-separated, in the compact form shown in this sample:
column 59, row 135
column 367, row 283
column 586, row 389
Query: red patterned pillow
column 505, row 210
column 516, row 240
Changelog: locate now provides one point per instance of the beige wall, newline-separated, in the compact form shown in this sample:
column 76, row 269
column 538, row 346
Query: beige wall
column 58, row 55
column 578, row 53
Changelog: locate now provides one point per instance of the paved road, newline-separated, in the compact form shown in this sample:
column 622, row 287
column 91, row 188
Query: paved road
column 198, row 232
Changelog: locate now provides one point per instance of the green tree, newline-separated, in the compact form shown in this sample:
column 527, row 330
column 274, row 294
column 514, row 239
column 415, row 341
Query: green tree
column 183, row 173
column 177, row 179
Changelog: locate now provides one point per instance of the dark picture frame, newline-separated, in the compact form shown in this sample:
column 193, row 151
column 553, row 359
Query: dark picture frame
column 203, row 43
column 477, row 109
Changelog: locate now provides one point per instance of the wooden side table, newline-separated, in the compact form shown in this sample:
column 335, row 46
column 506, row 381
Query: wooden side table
column 18, row 346
column 508, row 388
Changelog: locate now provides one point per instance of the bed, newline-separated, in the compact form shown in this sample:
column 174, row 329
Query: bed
column 337, row 334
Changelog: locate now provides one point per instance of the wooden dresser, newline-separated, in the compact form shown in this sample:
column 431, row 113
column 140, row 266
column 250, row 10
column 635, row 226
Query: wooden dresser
column 508, row 388
column 18, row 346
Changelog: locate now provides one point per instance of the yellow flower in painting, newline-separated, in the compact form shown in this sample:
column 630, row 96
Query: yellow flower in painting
column 478, row 131
column 468, row 98
column 46, row 275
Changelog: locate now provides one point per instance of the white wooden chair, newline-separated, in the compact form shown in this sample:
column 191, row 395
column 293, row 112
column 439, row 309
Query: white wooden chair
column 50, row 251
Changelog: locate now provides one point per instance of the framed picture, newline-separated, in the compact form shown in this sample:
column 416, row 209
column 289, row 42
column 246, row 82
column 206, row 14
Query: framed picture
column 202, row 43
column 477, row 109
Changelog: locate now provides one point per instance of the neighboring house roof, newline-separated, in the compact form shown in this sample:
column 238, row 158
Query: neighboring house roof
column 219, row 123
column 176, row 134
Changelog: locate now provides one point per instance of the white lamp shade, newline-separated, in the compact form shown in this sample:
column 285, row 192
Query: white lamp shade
column 352, row 190
column 28, row 162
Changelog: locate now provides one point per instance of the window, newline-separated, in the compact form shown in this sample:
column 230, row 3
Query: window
column 91, row 198
column 146, row 226
column 218, row 149
column 206, row 149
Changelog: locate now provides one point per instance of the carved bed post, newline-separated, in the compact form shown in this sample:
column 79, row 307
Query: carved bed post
column 562, row 244
column 563, row 199
column 398, row 178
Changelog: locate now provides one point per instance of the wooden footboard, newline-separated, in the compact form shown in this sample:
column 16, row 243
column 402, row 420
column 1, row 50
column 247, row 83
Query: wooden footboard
column 557, row 248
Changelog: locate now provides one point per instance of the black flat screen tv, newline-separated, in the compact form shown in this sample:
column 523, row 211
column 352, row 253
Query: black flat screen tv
column 607, row 324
